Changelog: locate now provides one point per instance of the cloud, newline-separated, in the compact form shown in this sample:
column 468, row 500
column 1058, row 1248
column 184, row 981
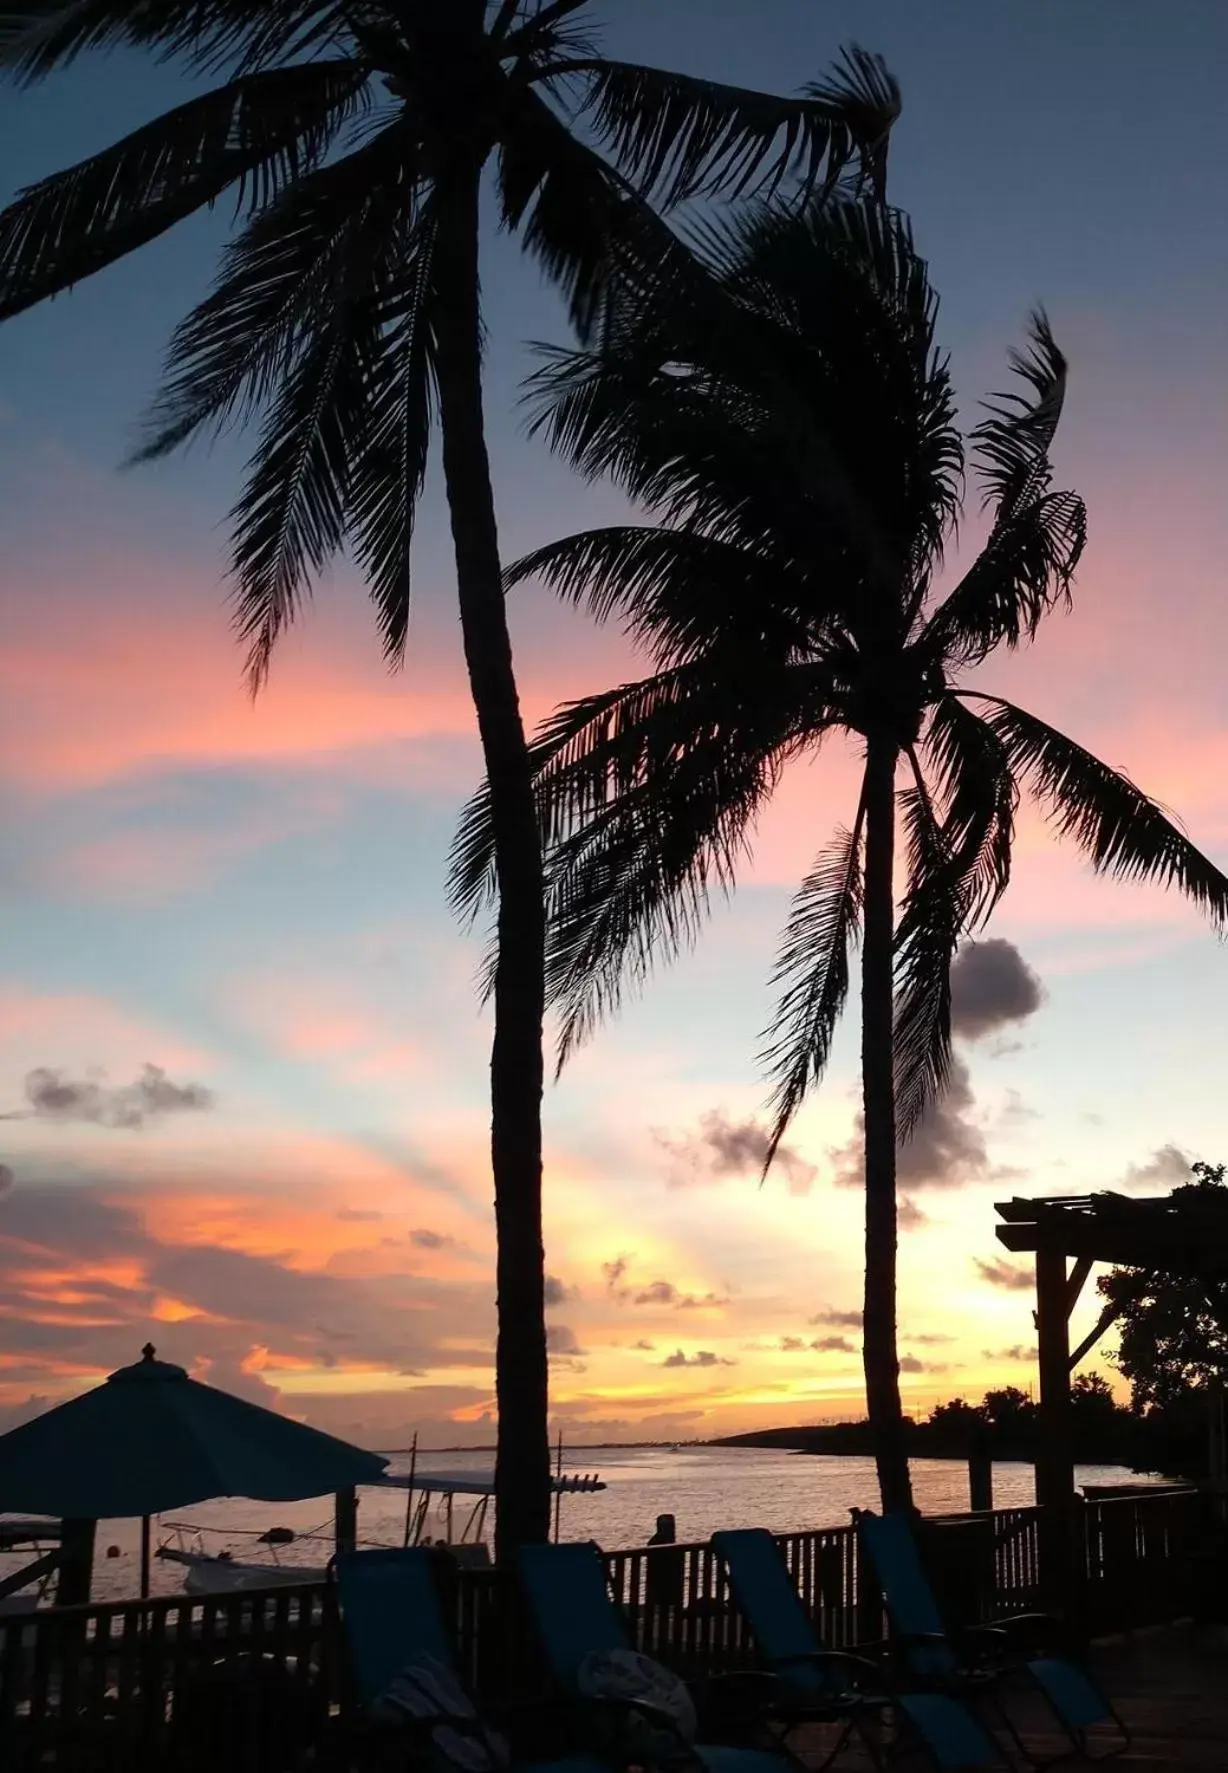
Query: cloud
column 644, row 1347
column 6, row 1178
column 425, row 1239
column 947, row 1149
column 562, row 1340
column 930, row 1341
column 992, row 986
column 792, row 1344
column 1016, row 1352
column 358, row 1215
column 54, row 1096
column 658, row 1292
column 615, row 1271
column 833, row 1345
column 86, row 1278
column 998, row 1272
column 845, row 1320
column 909, row 1363
column 558, row 1292
column 908, row 1215
column 704, row 1357
column 722, row 1147
column 1167, row 1167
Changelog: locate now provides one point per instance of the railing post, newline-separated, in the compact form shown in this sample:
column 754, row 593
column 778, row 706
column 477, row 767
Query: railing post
column 868, row 1599
column 1061, row 1557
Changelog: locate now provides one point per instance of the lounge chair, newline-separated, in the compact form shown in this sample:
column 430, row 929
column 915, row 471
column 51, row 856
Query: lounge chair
column 576, row 1619
column 979, row 1657
column 392, row 1618
column 576, row 1616
column 813, row 1682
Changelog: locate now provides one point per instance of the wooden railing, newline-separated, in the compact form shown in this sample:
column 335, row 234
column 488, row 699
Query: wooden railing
column 257, row 1682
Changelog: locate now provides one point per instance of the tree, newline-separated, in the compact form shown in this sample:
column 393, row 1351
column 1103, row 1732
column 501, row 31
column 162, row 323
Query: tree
column 791, row 426
column 1010, row 1413
column 356, row 134
column 1173, row 1328
column 957, row 1420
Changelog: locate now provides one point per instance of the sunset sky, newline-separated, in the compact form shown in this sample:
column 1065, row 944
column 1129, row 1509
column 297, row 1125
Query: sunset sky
column 296, row 1201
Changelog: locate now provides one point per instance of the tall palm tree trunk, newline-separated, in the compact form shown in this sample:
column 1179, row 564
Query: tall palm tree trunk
column 522, row 1470
column 879, row 1355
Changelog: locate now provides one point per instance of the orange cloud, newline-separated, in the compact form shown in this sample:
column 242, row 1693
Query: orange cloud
column 133, row 681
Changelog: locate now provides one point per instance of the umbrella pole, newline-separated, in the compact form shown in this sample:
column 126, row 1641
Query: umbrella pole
column 144, row 1557
column 409, row 1493
column 558, row 1494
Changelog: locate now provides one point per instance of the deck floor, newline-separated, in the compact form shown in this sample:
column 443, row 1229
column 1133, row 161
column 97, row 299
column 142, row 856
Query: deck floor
column 1170, row 1686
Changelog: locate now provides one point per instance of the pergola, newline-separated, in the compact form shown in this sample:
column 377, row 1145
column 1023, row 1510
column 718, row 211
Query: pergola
column 1182, row 1236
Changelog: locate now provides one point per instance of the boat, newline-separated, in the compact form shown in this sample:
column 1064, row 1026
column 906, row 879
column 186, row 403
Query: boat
column 431, row 1518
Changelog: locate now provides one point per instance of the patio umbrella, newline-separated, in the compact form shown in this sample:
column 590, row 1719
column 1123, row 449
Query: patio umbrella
column 151, row 1439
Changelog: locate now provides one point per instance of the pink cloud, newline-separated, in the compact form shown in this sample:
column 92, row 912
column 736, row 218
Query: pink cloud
column 75, row 1028
column 134, row 680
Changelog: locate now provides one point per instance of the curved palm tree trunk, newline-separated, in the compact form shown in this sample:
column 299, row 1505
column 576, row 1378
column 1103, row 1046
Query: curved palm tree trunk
column 881, row 1361
column 522, row 1470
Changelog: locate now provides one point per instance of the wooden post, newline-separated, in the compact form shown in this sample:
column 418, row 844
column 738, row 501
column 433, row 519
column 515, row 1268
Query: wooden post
column 980, row 1473
column 76, row 1562
column 1059, row 1573
column 345, row 1520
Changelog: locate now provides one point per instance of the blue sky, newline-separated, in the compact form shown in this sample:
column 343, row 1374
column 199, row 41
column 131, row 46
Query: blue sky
column 252, row 898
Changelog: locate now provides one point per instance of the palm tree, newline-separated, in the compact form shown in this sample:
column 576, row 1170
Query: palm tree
column 791, row 426
column 357, row 134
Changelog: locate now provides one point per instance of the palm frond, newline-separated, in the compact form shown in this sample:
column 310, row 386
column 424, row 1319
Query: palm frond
column 1119, row 828
column 586, row 225
column 678, row 137
column 788, row 403
column 960, row 833
column 391, row 448
column 1012, row 445
column 259, row 132
column 277, row 280
column 1038, row 536
column 295, row 509
column 929, row 927
column 673, row 588
column 812, row 976
column 632, row 888
column 645, row 796
column 978, row 795
column 39, row 36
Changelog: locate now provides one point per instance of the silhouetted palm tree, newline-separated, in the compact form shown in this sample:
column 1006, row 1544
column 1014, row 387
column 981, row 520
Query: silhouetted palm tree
column 357, row 133
column 792, row 428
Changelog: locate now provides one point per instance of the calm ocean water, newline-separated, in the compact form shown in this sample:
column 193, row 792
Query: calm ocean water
column 703, row 1487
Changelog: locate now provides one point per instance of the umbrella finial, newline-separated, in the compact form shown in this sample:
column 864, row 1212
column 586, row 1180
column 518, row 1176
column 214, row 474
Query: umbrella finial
column 148, row 1352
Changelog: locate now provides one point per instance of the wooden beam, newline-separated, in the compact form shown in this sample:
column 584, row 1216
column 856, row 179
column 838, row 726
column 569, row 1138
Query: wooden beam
column 76, row 1562
column 345, row 1520
column 1054, row 1464
column 1151, row 1246
column 1076, row 1281
column 31, row 1573
column 1107, row 1317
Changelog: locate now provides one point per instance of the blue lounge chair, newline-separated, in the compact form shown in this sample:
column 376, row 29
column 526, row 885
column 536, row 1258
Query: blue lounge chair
column 982, row 1657
column 814, row 1682
column 576, row 1616
column 392, row 1618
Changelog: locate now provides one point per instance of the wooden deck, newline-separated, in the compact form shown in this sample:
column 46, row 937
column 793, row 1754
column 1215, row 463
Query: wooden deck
column 1172, row 1685
column 259, row 1682
column 1169, row 1684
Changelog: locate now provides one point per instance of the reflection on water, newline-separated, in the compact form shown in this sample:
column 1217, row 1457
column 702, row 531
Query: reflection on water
column 703, row 1487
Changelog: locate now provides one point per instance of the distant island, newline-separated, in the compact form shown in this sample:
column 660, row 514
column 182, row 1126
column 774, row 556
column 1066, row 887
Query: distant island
column 1006, row 1426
